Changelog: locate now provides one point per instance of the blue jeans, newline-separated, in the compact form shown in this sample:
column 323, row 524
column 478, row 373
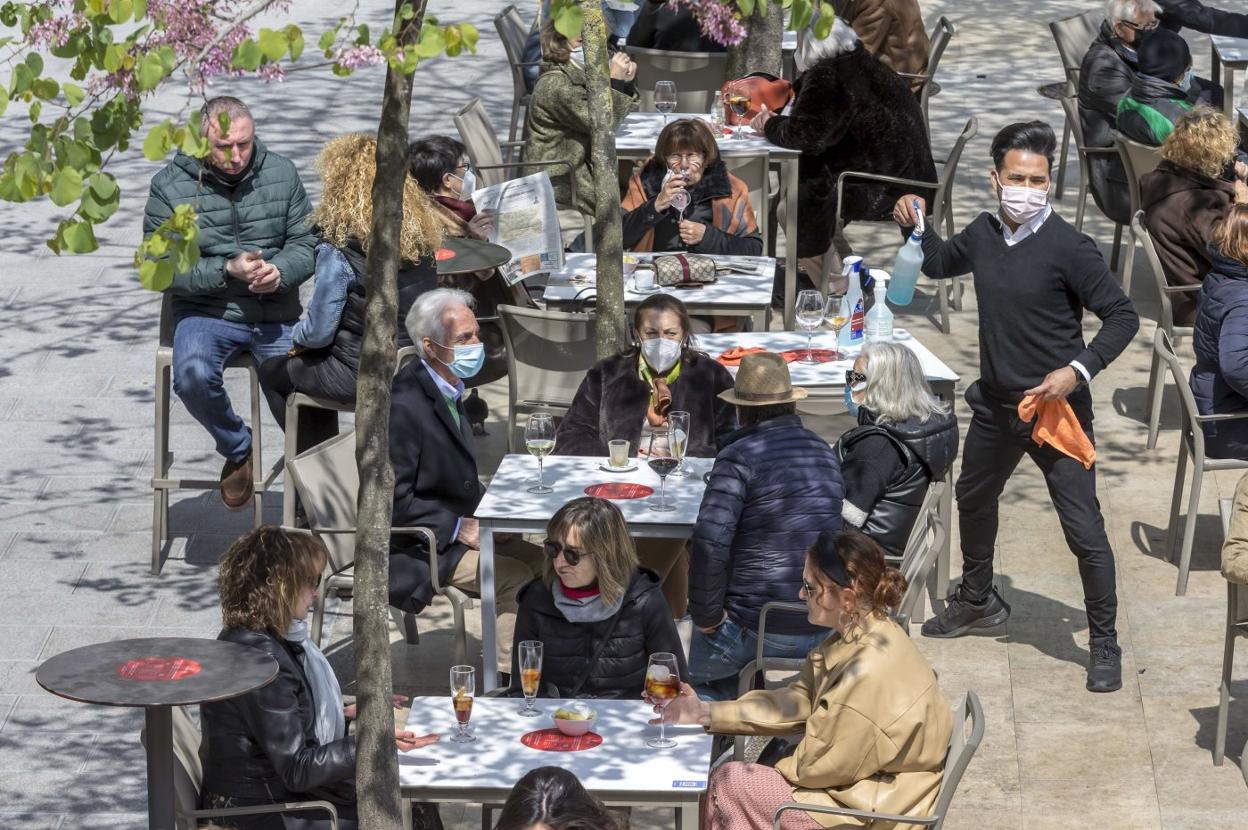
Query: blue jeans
column 716, row 659
column 201, row 348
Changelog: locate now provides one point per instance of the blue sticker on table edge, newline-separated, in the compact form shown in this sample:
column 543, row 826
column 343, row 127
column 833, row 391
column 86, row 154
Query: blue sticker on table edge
column 688, row 785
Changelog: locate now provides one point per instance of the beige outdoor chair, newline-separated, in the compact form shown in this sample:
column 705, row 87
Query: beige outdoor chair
column 1070, row 106
column 767, row 672
column 697, row 75
column 1165, row 320
column 1137, row 159
column 1192, row 443
column 753, row 171
column 548, row 354
column 918, row 560
column 163, row 459
column 940, row 214
column 513, row 33
column 328, row 483
column 188, row 780
column 1236, row 627
column 942, row 33
column 1073, row 35
column 962, row 746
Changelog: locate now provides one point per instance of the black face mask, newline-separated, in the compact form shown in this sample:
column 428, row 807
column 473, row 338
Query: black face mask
column 233, row 179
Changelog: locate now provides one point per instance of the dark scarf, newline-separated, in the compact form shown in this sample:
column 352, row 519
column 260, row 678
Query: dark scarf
column 464, row 209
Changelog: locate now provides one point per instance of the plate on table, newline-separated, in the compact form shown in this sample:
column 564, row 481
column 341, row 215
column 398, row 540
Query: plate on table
column 642, row 292
column 607, row 468
column 901, row 334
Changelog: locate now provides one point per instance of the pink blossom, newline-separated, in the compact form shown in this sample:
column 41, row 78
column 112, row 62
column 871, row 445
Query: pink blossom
column 353, row 57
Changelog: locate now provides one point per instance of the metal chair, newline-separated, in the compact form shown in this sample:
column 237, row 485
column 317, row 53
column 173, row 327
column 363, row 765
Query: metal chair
column 1165, row 320
column 927, row 539
column 1192, row 443
column 1070, row 106
column 513, row 33
column 942, row 33
column 188, row 781
column 755, row 671
column 162, row 458
column 1236, row 627
column 940, row 210
column 753, row 171
column 1073, row 36
column 698, row 76
column 299, row 400
column 328, row 483
column 1137, row 159
column 548, row 354
column 962, row 746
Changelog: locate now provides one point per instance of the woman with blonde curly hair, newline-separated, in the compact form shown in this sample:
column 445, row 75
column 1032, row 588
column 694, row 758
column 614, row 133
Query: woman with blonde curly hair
column 1187, row 195
column 326, row 355
column 286, row 741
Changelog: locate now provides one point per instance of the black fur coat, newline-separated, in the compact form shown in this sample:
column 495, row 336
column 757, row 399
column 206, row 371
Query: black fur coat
column 851, row 112
column 612, row 401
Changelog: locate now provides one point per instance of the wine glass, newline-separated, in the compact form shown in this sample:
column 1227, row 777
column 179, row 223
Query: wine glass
column 530, row 674
column 663, row 686
column 739, row 103
column 836, row 313
column 665, row 98
column 680, row 201
column 809, row 312
column 463, row 687
column 662, row 461
column 539, row 440
column 679, row 423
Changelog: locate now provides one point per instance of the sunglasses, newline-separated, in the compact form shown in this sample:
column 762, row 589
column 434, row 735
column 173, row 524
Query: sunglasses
column 1150, row 27
column 315, row 584
column 570, row 555
column 855, row 380
column 808, row 588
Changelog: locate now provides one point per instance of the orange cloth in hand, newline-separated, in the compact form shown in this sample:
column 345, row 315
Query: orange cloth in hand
column 1057, row 426
column 733, row 356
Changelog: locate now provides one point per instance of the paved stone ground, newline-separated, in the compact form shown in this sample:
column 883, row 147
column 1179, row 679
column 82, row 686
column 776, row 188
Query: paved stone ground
column 76, row 398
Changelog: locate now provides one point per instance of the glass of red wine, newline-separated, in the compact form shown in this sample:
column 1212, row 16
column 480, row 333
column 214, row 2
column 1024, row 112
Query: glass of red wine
column 662, row 461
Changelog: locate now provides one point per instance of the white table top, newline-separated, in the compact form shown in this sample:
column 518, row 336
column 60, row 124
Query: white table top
column 497, row 760
column 507, row 497
column 640, row 132
column 819, row 375
column 1232, row 51
column 735, row 290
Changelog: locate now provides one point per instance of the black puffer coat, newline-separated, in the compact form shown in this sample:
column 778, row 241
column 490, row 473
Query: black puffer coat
column 263, row 744
column 1219, row 379
column 645, row 627
column 1105, row 78
column 774, row 488
column 659, row 25
column 887, row 469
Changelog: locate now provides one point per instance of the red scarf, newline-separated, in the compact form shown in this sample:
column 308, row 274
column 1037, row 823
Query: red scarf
column 577, row 593
column 463, row 209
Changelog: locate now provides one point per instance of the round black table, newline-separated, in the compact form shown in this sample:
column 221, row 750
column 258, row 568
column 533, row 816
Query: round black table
column 157, row 673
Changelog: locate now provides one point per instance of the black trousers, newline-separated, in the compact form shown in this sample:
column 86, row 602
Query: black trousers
column 996, row 441
column 315, row 373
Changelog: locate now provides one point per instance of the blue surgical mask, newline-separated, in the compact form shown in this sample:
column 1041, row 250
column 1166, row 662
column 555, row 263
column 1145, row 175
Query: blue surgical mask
column 1188, row 77
column 468, row 360
column 850, row 403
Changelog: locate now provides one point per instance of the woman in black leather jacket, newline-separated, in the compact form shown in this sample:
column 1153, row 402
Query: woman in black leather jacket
column 597, row 614
column 905, row 440
column 285, row 741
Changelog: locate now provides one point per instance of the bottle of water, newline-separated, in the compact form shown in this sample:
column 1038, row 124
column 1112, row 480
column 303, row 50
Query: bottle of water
column 717, row 115
column 906, row 266
column 879, row 328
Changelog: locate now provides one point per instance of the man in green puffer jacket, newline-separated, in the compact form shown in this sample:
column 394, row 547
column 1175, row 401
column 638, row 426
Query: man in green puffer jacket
column 1162, row 92
column 256, row 247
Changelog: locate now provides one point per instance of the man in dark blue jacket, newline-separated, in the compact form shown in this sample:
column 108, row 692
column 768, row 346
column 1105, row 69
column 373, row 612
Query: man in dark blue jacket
column 774, row 487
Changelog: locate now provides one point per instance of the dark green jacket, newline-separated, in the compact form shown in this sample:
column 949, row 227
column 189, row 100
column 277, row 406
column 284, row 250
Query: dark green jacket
column 1152, row 108
column 267, row 211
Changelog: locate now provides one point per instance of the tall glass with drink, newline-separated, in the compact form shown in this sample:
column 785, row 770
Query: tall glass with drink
column 836, row 313
column 679, row 422
column 809, row 314
column 662, row 462
column 539, row 440
column 739, row 103
column 463, row 689
column 662, row 686
column 530, row 674
column 665, row 98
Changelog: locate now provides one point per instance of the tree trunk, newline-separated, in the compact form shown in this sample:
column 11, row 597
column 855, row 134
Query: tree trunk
column 761, row 49
column 608, row 234
column 377, row 765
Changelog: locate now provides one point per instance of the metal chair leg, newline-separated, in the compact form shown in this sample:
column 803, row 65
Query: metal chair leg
column 160, row 466
column 1176, row 499
column 461, row 632
column 942, row 294
column 1081, row 205
column 1228, row 662
column 1061, row 165
column 1128, row 265
column 257, row 448
column 1189, row 526
column 1113, row 257
column 292, row 449
column 1156, row 392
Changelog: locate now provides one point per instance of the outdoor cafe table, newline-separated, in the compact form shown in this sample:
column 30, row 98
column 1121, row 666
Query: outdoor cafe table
column 157, row 673
column 1229, row 54
column 508, row 507
column 621, row 771
column 640, row 132
column 734, row 294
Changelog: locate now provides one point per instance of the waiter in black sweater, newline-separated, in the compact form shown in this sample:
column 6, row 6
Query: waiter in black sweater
column 1034, row 276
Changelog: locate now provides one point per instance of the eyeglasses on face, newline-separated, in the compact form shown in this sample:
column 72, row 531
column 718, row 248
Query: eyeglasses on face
column 808, row 589
column 1147, row 27
column 570, row 555
column 692, row 159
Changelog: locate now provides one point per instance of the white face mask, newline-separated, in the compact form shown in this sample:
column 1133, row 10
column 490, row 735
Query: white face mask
column 660, row 353
column 578, row 56
column 1022, row 204
column 467, row 182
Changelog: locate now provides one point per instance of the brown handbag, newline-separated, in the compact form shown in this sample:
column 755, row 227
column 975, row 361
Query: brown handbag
column 761, row 88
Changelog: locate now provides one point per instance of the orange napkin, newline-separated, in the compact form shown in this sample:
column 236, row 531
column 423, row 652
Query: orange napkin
column 1057, row 426
column 733, row 356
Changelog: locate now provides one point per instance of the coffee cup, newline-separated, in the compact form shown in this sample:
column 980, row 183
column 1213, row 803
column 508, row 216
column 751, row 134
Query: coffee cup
column 643, row 280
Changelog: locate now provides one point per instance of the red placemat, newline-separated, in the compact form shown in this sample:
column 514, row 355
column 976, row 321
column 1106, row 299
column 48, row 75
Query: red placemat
column 619, row 490
column 158, row 669
column 552, row 740
column 819, row 355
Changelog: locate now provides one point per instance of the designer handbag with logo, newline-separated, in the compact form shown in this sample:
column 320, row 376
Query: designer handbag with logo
column 673, row 269
column 760, row 88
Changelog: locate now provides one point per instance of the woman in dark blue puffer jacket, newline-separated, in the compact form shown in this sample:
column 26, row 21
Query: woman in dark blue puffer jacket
column 774, row 488
column 1220, row 377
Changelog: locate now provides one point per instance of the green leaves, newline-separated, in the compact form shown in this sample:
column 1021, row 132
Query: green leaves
column 460, row 36
column 66, row 186
column 827, row 16
column 269, row 47
column 75, row 236
column 149, row 72
column 74, row 95
column 569, row 19
column 173, row 248
column 101, row 198
column 159, row 141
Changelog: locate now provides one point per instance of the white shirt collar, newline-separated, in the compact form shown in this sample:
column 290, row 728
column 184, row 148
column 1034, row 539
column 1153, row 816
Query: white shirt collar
column 1026, row 229
column 447, row 390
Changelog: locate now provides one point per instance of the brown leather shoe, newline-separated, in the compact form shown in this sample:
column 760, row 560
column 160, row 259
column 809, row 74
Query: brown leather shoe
column 237, row 486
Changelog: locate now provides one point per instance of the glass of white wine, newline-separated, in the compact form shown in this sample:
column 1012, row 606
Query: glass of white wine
column 539, row 440
column 836, row 313
column 680, row 441
column 809, row 312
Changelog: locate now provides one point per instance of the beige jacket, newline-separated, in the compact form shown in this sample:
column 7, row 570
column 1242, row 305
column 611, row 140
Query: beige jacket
column 1235, row 548
column 877, row 727
column 892, row 30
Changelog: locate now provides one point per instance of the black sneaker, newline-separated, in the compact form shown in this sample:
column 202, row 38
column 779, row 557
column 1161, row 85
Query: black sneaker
column 1105, row 667
column 960, row 616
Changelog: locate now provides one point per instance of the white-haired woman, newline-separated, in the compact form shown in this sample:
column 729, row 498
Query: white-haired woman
column 905, row 439
column 849, row 112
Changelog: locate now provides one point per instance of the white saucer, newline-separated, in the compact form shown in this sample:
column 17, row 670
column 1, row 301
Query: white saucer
column 901, row 334
column 607, row 468
column 644, row 292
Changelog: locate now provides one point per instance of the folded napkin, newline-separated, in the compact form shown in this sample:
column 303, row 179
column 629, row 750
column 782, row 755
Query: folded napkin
column 1057, row 426
column 733, row 356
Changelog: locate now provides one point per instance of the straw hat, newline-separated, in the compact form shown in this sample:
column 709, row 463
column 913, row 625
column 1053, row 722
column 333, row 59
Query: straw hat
column 763, row 380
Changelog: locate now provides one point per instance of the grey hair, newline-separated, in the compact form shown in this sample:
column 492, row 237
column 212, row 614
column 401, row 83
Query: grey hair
column 896, row 388
column 425, row 317
column 1116, row 10
column 213, row 107
column 841, row 40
